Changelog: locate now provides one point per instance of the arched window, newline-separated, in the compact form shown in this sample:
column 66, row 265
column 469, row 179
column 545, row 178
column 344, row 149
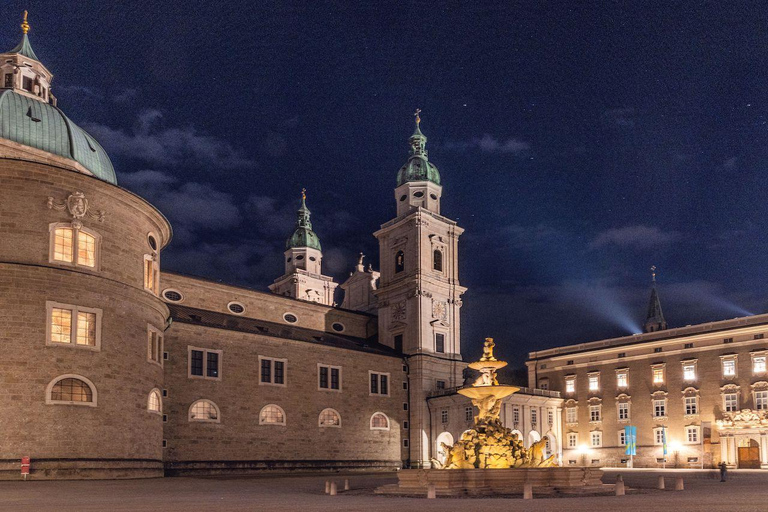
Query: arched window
column 71, row 390
column 399, row 261
column 155, row 402
column 272, row 415
column 204, row 410
column 437, row 260
column 329, row 418
column 379, row 421
column 74, row 246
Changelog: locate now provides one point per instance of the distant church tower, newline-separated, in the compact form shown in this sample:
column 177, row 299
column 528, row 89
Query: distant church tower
column 303, row 278
column 419, row 296
column 654, row 321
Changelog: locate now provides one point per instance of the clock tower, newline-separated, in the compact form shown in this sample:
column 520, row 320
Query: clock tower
column 419, row 296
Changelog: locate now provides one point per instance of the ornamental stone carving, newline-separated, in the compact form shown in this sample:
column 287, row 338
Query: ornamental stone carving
column 77, row 206
column 745, row 418
column 439, row 310
column 398, row 311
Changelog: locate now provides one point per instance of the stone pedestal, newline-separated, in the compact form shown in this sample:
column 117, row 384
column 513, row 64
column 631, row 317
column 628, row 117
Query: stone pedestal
column 453, row 482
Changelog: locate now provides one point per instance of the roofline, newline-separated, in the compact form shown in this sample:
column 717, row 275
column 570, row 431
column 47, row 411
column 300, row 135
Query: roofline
column 664, row 335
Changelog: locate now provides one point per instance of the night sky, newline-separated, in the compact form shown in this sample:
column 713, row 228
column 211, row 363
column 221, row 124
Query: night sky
column 578, row 144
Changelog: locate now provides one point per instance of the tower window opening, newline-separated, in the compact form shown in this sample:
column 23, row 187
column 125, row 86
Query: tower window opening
column 399, row 261
column 418, row 194
column 433, row 196
column 437, row 260
column 27, row 84
column 8, row 80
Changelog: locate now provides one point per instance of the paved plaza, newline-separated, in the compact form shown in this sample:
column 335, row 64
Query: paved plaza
column 746, row 491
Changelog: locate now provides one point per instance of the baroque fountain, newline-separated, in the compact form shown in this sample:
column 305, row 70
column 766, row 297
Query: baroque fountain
column 490, row 458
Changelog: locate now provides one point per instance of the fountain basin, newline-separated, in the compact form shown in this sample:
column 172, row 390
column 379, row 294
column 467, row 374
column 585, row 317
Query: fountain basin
column 480, row 392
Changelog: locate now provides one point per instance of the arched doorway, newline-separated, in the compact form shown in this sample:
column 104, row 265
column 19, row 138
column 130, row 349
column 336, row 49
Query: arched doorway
column 444, row 438
column 533, row 437
column 749, row 454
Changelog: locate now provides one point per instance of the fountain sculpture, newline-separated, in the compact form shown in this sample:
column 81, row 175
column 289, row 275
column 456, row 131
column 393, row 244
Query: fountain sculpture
column 489, row 444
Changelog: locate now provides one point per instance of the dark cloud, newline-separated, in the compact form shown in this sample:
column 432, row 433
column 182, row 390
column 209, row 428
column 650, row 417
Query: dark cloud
column 636, row 237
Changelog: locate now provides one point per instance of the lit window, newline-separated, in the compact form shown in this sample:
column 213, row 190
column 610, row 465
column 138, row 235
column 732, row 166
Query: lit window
column 622, row 438
column 469, row 414
column 692, row 435
column 204, row 363
column 571, row 415
column 622, row 378
column 550, row 417
column 379, row 383
column 329, row 377
column 689, row 371
column 731, row 402
column 272, row 371
column 379, row 421
column 761, row 400
column 758, row 364
column 154, row 402
column 658, row 436
column 73, row 325
column 534, row 416
column 729, row 367
column 570, row 384
column 594, row 382
column 444, row 416
column 204, row 411
column 594, row 412
column 597, row 439
column 151, row 274
column 623, row 411
column 659, row 408
column 691, row 405
column 658, row 375
column 329, row 418
column 77, row 246
column 154, row 345
column 71, row 390
column 273, row 415
column 573, row 440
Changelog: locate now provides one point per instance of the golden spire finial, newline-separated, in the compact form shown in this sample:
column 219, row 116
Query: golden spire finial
column 24, row 24
column 303, row 194
column 416, row 114
column 653, row 272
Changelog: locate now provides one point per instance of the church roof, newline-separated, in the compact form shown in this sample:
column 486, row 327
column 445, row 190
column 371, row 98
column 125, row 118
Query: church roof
column 42, row 126
column 303, row 236
column 654, row 321
column 418, row 167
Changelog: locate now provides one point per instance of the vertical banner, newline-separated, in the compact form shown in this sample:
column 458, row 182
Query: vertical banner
column 664, row 441
column 630, row 435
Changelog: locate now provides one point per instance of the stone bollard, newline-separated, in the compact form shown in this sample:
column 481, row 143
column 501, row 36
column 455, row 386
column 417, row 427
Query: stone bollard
column 346, row 484
column 660, row 485
column 431, row 493
column 679, row 484
column 327, row 486
column 619, row 487
column 528, row 491
column 333, row 489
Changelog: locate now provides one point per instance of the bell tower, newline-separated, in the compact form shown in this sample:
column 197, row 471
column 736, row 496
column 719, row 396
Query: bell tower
column 419, row 296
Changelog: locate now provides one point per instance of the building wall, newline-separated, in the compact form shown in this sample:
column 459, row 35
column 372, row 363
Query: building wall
column 705, row 346
column 239, row 442
column 119, row 437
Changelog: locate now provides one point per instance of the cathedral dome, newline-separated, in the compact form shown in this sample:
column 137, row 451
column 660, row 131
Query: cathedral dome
column 29, row 115
column 418, row 167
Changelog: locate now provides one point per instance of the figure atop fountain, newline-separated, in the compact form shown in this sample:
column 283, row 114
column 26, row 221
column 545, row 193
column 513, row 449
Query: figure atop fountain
column 488, row 350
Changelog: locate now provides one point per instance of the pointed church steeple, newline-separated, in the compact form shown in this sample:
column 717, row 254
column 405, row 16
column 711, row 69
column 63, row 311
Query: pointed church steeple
column 654, row 321
column 303, row 236
column 24, row 48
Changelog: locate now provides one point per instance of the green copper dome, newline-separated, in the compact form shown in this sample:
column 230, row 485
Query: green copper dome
column 25, row 49
column 418, row 167
column 303, row 236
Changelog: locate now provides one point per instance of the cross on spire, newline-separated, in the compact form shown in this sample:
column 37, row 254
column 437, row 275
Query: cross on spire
column 417, row 116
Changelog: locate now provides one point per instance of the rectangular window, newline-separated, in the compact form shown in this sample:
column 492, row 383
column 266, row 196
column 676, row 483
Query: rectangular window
column 399, row 343
column 622, row 438
column 444, row 416
column 571, row 415
column 440, row 384
column 692, row 435
column 731, row 402
column 154, row 345
column 729, row 367
column 63, row 243
column 8, row 80
column 597, row 439
column 658, row 375
column 658, row 436
column 73, row 245
column 570, row 384
column 440, row 343
column 27, row 83
column 594, row 412
column 623, row 411
column 594, row 382
column 691, row 405
column 379, row 383
column 688, row 345
column 759, row 336
column 758, row 364
column 329, row 377
column 622, row 378
column 272, row 371
column 573, row 440
column 659, row 408
column 516, row 415
column 533, row 416
column 657, row 350
column 75, row 326
column 204, row 363
column 689, row 371
column 151, row 274
column 544, row 384
column 550, row 417
column 761, row 400
column 469, row 414
column 728, row 340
